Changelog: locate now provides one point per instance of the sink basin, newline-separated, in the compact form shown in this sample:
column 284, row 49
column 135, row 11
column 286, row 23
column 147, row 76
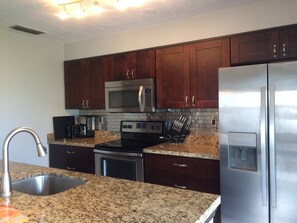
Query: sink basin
column 46, row 184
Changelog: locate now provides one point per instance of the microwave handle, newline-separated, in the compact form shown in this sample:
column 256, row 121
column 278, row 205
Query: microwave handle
column 141, row 98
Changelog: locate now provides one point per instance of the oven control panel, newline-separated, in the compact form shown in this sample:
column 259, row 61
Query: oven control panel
column 142, row 126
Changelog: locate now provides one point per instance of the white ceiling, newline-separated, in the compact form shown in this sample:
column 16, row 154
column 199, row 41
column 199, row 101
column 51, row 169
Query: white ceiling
column 42, row 15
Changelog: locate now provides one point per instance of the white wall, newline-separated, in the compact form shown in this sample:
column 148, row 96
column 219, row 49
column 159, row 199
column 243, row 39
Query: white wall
column 263, row 14
column 31, row 91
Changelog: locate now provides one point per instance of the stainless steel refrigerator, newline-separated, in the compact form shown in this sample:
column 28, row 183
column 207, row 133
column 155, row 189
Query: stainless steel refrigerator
column 258, row 143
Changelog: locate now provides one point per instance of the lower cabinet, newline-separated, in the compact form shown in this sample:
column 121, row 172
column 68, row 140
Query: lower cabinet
column 184, row 172
column 75, row 158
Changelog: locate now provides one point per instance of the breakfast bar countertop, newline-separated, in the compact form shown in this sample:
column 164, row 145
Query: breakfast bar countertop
column 105, row 199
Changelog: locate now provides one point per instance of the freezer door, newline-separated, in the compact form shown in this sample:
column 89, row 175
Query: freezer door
column 283, row 141
column 243, row 163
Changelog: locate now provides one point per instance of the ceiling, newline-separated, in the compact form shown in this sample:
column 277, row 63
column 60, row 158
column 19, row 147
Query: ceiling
column 42, row 15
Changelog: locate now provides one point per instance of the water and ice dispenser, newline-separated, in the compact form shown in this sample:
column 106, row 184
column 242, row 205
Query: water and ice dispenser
column 242, row 151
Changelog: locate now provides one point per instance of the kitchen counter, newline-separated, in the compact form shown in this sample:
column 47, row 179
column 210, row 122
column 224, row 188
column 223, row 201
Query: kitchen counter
column 186, row 150
column 205, row 147
column 100, row 137
column 105, row 199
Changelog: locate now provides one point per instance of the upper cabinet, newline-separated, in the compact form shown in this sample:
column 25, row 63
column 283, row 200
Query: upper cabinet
column 132, row 65
column 264, row 46
column 187, row 75
column 205, row 59
column 84, row 83
column 172, row 76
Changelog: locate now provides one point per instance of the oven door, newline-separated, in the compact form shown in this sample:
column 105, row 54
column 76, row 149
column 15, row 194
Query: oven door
column 119, row 166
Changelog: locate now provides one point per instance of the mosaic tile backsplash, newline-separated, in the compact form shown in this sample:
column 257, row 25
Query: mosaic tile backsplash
column 204, row 120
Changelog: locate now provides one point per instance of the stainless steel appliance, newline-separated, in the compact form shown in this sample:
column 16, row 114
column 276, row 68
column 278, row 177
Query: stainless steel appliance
column 130, row 95
column 124, row 158
column 258, row 143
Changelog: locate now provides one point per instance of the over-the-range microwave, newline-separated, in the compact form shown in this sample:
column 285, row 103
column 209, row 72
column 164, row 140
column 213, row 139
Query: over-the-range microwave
column 130, row 95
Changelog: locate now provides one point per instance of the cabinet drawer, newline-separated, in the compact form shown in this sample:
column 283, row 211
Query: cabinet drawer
column 183, row 172
column 72, row 158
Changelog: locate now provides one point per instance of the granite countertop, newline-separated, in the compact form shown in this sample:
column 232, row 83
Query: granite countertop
column 195, row 146
column 105, row 199
column 199, row 146
column 100, row 137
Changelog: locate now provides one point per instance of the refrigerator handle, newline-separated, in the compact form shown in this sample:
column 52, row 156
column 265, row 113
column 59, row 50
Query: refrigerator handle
column 263, row 145
column 272, row 146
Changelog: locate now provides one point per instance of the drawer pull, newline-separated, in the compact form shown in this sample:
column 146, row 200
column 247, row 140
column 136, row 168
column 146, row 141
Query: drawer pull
column 180, row 165
column 180, row 186
column 70, row 152
column 70, row 168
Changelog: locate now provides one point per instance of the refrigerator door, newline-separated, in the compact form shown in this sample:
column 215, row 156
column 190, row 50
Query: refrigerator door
column 243, row 153
column 283, row 141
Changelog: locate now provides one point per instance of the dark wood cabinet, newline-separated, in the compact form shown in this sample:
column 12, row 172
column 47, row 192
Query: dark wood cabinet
column 264, row 46
column 172, row 76
column 73, row 158
column 132, row 65
column 187, row 75
column 205, row 59
column 183, row 172
column 84, row 83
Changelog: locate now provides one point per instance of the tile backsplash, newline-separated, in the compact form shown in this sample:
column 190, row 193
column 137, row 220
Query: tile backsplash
column 204, row 120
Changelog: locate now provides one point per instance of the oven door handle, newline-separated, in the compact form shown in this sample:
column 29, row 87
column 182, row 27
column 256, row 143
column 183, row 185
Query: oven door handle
column 141, row 98
column 118, row 153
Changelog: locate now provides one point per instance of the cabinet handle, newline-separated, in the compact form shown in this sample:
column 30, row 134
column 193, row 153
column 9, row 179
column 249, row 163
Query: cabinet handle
column 70, row 152
column 70, row 168
column 127, row 74
column 187, row 99
column 132, row 74
column 193, row 100
column 180, row 186
column 83, row 104
column 284, row 50
column 180, row 165
column 274, row 50
column 87, row 103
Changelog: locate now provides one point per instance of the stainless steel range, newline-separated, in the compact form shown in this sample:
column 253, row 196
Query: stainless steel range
column 123, row 158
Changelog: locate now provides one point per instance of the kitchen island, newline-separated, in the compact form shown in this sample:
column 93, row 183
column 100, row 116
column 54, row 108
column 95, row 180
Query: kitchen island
column 105, row 199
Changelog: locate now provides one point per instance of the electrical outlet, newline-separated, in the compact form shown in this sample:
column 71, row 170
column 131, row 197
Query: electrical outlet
column 213, row 121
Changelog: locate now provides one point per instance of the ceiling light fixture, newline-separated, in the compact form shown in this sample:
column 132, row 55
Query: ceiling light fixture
column 81, row 8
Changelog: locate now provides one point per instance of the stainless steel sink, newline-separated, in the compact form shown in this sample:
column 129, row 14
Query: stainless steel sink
column 46, row 184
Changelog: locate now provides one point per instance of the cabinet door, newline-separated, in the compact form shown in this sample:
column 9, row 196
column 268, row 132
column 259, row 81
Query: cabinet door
column 72, row 158
column 255, row 47
column 205, row 59
column 76, row 78
column 98, row 74
column 145, row 64
column 173, row 77
column 118, row 69
column 183, row 172
column 288, row 43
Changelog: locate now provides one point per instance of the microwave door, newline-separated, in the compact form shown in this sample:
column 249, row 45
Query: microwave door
column 141, row 98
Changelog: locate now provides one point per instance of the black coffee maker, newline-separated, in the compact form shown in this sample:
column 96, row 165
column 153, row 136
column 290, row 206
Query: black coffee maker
column 89, row 122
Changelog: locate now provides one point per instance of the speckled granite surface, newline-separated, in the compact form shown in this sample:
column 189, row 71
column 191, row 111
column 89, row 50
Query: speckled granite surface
column 100, row 137
column 105, row 199
column 205, row 147
column 199, row 146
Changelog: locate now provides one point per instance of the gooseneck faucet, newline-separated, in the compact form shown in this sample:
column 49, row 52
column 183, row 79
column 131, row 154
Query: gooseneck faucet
column 6, row 180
